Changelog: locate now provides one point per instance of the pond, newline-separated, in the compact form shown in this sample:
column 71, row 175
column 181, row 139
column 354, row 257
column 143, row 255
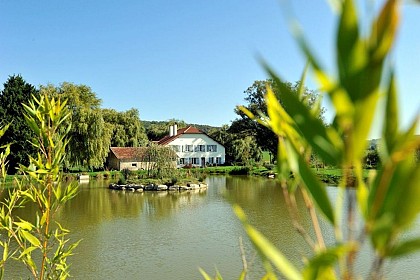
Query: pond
column 160, row 235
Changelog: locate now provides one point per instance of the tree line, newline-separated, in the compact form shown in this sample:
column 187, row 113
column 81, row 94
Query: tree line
column 92, row 129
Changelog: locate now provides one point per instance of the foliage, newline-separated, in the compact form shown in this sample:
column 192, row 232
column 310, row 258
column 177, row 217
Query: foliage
column 160, row 161
column 5, row 151
column 255, row 94
column 127, row 129
column 226, row 138
column 388, row 201
column 244, row 170
column 122, row 180
column 246, row 150
column 42, row 246
column 156, row 130
column 15, row 92
column 126, row 173
column 372, row 159
column 90, row 137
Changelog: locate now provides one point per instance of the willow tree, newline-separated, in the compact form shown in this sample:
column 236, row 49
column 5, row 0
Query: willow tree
column 246, row 150
column 127, row 129
column 90, row 138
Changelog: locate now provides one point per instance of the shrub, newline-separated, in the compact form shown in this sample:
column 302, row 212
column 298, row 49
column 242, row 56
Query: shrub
column 243, row 170
column 122, row 181
column 126, row 173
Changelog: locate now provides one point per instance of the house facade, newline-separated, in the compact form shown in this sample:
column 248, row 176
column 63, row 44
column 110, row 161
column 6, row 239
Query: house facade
column 193, row 147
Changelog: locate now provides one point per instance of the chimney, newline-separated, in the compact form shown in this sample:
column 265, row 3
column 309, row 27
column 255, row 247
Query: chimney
column 175, row 129
column 171, row 131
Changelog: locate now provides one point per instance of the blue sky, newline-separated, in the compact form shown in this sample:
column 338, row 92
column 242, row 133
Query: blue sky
column 190, row 60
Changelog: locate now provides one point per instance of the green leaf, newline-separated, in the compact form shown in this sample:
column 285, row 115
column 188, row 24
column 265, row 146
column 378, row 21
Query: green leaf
column 27, row 251
column 3, row 129
column 405, row 248
column 243, row 275
column 316, row 189
column 206, row 276
column 390, row 132
column 32, row 239
column 5, row 246
column 279, row 118
column 384, row 30
column 395, row 188
column 325, row 142
column 57, row 192
column 267, row 249
column 408, row 205
column 24, row 225
column 362, row 122
column 349, row 58
column 381, row 233
column 321, row 266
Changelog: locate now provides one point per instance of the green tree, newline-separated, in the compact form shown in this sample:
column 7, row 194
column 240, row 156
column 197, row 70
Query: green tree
column 372, row 159
column 255, row 103
column 15, row 92
column 246, row 150
column 161, row 161
column 90, row 137
column 224, row 137
column 239, row 148
column 127, row 129
column 156, row 130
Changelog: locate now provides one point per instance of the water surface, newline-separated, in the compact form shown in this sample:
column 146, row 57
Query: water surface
column 165, row 235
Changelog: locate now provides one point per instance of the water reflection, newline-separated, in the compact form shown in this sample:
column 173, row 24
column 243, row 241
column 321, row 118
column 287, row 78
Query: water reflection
column 168, row 235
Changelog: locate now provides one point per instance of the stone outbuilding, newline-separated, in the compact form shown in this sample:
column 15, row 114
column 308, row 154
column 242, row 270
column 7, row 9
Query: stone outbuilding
column 131, row 158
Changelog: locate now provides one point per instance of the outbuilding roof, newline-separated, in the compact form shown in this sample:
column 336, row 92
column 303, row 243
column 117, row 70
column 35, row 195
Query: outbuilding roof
column 128, row 153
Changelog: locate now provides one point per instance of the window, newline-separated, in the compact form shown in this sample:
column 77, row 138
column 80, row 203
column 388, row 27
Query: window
column 134, row 165
column 195, row 160
column 176, row 148
column 182, row 161
column 219, row 160
column 200, row 148
column 188, row 148
column 211, row 160
column 211, row 148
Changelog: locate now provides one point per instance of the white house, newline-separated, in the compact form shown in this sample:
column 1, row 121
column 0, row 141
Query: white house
column 193, row 147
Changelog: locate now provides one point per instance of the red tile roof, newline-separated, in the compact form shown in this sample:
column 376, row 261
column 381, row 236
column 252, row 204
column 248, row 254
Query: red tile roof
column 187, row 130
column 128, row 153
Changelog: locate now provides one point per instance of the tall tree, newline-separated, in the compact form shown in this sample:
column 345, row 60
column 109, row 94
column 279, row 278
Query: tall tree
column 255, row 103
column 15, row 92
column 246, row 150
column 161, row 161
column 156, row 130
column 224, row 137
column 90, row 138
column 127, row 129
